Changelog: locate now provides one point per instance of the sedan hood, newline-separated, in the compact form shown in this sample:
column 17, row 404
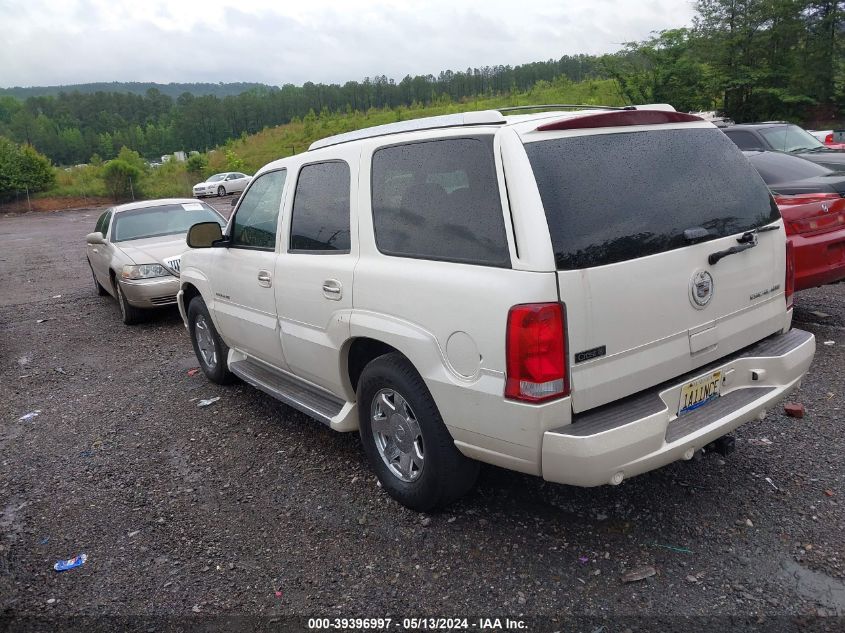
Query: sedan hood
column 834, row 183
column 156, row 250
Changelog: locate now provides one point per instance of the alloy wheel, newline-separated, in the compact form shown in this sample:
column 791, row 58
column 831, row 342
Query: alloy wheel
column 205, row 342
column 397, row 435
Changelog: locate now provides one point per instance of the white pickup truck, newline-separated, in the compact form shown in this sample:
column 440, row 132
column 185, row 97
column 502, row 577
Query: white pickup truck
column 579, row 295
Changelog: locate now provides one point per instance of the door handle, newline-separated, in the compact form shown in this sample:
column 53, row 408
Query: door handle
column 332, row 289
column 264, row 279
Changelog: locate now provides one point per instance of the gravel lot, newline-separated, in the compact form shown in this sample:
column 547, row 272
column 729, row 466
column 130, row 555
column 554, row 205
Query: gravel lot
column 249, row 507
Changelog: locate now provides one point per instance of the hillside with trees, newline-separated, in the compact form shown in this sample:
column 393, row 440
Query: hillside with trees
column 172, row 89
column 752, row 59
column 72, row 126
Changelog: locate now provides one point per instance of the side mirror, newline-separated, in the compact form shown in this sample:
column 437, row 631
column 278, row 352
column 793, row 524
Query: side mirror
column 95, row 238
column 204, row 235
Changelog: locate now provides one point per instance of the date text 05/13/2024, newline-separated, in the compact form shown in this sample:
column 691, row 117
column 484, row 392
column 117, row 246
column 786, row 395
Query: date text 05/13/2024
column 417, row 624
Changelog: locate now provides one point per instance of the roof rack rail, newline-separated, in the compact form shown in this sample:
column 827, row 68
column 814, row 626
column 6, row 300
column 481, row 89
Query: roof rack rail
column 479, row 117
column 572, row 106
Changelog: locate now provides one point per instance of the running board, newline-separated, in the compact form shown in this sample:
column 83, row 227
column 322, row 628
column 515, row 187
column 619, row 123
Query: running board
column 312, row 401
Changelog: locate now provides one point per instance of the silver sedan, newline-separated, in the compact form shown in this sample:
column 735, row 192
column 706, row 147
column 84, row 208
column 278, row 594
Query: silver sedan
column 135, row 251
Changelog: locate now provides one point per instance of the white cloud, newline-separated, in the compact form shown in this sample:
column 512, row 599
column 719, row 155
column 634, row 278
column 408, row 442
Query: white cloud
column 78, row 41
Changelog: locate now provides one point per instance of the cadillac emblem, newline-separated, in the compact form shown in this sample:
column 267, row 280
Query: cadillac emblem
column 701, row 289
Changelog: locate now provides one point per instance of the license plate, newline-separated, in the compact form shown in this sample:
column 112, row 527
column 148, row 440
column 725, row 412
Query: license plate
column 699, row 392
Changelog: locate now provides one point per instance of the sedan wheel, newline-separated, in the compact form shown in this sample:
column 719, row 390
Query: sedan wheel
column 221, row 191
column 99, row 288
column 128, row 313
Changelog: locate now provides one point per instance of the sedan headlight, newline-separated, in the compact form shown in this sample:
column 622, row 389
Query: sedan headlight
column 144, row 271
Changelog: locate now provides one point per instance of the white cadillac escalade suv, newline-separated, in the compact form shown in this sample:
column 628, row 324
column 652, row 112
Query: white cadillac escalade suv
column 579, row 295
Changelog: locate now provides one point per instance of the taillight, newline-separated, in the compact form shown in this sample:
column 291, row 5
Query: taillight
column 828, row 139
column 789, row 283
column 816, row 224
column 805, row 198
column 536, row 353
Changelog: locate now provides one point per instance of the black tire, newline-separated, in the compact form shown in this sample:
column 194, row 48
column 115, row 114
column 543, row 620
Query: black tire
column 128, row 313
column 101, row 292
column 221, row 191
column 218, row 371
column 446, row 474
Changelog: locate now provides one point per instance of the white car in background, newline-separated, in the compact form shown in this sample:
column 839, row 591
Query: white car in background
column 222, row 184
column 831, row 138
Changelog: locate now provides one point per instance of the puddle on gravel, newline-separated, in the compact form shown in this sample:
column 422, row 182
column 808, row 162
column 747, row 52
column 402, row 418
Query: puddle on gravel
column 821, row 588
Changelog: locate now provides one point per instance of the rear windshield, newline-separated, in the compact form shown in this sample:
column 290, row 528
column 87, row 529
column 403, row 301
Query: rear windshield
column 168, row 219
column 613, row 197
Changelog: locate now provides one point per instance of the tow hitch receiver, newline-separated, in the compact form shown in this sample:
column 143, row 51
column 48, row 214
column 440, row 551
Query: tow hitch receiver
column 725, row 445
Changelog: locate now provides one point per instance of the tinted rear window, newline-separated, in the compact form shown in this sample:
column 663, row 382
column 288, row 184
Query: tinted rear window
column 320, row 220
column 614, row 197
column 440, row 200
column 744, row 140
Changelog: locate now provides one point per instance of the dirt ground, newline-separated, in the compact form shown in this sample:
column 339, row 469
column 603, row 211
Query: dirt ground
column 23, row 205
column 248, row 508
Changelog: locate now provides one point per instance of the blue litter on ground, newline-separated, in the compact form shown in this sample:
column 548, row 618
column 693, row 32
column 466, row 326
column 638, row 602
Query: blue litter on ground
column 71, row 563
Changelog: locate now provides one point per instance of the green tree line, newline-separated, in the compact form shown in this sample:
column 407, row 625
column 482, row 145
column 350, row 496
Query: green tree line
column 753, row 59
column 72, row 126
column 171, row 89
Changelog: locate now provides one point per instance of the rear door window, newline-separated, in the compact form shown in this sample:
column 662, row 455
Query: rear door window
column 745, row 140
column 439, row 200
column 320, row 220
column 613, row 197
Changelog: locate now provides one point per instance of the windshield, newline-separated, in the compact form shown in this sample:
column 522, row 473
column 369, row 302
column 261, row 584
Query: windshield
column 775, row 168
column 216, row 178
column 168, row 219
column 613, row 197
column 790, row 138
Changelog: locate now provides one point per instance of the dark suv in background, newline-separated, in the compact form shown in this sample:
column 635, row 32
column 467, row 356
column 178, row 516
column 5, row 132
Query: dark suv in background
column 784, row 137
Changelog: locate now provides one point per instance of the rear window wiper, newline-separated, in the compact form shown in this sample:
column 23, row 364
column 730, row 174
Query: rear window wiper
column 696, row 234
column 746, row 240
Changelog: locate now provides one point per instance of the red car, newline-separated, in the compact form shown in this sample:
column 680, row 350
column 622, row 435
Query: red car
column 834, row 139
column 815, row 226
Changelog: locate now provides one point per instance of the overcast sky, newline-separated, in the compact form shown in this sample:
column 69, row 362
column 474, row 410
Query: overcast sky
column 48, row 42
